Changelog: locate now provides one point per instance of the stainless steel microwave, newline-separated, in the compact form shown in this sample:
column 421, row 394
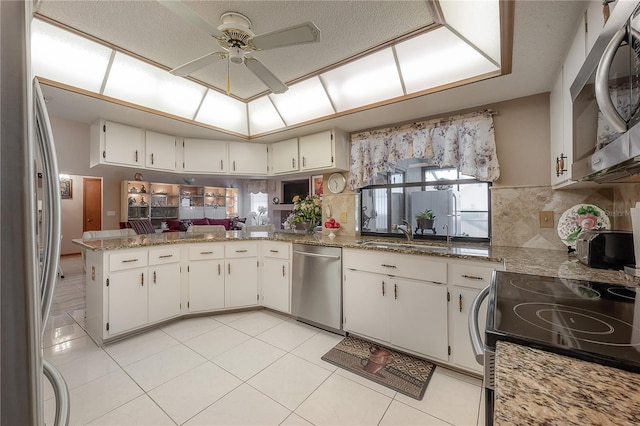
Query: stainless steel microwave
column 606, row 102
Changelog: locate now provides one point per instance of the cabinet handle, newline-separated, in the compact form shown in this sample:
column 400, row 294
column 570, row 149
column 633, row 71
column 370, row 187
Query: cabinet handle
column 241, row 251
column 154, row 277
column 164, row 256
column 283, row 270
column 206, row 252
column 472, row 277
column 129, row 260
column 152, row 158
column 304, row 161
column 221, row 165
column 229, row 268
column 383, row 288
column 395, row 291
column 293, row 163
column 560, row 165
column 274, row 251
column 218, row 269
column 234, row 165
column 93, row 273
column 142, row 279
column 384, row 265
column 136, row 155
column 460, row 302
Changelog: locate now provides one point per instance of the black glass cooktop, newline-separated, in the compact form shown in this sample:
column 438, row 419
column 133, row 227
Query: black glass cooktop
column 589, row 320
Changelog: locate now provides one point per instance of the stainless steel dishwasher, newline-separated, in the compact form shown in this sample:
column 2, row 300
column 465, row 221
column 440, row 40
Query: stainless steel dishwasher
column 316, row 293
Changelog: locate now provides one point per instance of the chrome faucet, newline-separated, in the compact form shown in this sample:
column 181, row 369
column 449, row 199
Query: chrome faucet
column 446, row 226
column 408, row 232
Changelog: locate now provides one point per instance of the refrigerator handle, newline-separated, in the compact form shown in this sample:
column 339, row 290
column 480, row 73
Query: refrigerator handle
column 51, row 253
column 603, row 98
column 60, row 391
column 474, row 330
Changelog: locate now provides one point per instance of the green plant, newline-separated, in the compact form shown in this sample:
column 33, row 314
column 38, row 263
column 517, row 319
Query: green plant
column 426, row 215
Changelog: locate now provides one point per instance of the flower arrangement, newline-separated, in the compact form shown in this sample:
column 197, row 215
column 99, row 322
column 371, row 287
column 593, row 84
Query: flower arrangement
column 307, row 211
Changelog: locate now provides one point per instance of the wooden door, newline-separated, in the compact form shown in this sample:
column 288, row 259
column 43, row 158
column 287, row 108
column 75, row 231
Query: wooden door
column 91, row 204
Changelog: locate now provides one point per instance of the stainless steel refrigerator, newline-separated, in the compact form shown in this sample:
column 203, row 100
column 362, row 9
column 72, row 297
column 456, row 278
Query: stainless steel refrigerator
column 29, row 253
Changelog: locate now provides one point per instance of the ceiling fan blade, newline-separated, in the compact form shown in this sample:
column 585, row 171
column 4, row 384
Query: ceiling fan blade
column 297, row 34
column 267, row 77
column 183, row 11
column 196, row 64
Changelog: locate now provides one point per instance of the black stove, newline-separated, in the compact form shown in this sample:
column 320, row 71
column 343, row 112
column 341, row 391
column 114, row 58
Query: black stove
column 593, row 321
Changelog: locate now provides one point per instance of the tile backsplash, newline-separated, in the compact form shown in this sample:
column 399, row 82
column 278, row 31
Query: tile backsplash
column 515, row 220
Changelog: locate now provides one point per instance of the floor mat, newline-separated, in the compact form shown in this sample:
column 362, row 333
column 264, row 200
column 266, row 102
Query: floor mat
column 401, row 372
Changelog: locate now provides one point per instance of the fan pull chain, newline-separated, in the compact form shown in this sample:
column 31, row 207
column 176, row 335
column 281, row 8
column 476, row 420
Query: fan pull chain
column 228, row 77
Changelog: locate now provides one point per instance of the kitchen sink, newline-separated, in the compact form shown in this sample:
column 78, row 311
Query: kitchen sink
column 406, row 246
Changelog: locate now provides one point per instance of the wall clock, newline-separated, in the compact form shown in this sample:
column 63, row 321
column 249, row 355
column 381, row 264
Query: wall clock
column 336, row 183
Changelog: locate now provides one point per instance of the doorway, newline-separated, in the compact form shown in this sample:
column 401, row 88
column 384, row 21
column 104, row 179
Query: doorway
column 92, row 204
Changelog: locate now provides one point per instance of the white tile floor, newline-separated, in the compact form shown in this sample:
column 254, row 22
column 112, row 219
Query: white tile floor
column 250, row 368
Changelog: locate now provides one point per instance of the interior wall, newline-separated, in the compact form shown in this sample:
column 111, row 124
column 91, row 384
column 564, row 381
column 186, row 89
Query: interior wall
column 72, row 216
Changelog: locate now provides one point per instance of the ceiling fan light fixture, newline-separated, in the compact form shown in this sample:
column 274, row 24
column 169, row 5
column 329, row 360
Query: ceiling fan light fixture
column 236, row 55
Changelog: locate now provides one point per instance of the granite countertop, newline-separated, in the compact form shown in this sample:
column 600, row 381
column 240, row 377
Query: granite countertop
column 537, row 387
column 553, row 263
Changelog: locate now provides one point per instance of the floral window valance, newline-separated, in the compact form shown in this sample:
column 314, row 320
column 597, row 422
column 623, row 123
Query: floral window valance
column 466, row 142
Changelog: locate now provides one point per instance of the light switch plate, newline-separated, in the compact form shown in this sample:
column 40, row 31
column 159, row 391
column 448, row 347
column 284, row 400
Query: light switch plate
column 343, row 217
column 546, row 219
column 111, row 213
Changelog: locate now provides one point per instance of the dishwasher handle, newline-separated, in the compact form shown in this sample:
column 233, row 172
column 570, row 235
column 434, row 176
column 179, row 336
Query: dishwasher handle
column 326, row 256
column 474, row 330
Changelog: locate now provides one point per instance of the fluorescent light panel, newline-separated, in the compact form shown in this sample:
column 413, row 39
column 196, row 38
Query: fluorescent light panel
column 303, row 101
column 477, row 21
column 368, row 80
column 138, row 82
column 65, row 57
column 224, row 112
column 437, row 58
column 263, row 116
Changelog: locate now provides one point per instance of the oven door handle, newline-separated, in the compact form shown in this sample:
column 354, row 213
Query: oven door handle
column 474, row 330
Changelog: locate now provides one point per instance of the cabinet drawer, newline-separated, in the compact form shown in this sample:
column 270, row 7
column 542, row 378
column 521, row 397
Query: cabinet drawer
column 206, row 251
column 240, row 250
column 164, row 255
column 471, row 275
column 418, row 267
column 127, row 260
column 276, row 250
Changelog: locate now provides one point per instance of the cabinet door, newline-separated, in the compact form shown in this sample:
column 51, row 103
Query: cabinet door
column 284, row 156
column 556, row 124
column 276, row 284
column 248, row 158
column 366, row 304
column 160, row 151
column 461, row 351
column 316, row 151
column 241, row 282
column 419, row 317
column 127, row 300
column 205, row 156
column 206, row 285
column 123, row 144
column 164, row 291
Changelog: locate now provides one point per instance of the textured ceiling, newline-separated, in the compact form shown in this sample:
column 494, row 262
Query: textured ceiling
column 542, row 32
column 152, row 31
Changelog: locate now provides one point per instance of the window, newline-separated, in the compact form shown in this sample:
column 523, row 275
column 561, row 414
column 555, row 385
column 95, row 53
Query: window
column 459, row 204
column 259, row 208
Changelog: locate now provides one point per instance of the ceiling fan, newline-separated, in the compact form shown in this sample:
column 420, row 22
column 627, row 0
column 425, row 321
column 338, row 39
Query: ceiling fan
column 235, row 37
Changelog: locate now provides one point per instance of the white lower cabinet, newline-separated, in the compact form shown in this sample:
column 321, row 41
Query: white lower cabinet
column 366, row 304
column 164, row 283
column 419, row 317
column 462, row 352
column 127, row 300
column 206, row 277
column 241, row 281
column 276, row 276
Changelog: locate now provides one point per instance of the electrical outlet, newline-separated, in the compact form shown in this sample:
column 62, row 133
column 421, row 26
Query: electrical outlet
column 546, row 219
column 343, row 217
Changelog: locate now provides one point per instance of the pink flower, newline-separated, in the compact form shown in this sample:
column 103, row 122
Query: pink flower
column 588, row 221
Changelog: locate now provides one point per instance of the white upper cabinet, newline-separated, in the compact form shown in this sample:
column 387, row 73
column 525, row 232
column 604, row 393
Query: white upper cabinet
column 324, row 150
column 284, row 156
column 114, row 143
column 247, row 158
column 160, row 151
column 205, row 156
